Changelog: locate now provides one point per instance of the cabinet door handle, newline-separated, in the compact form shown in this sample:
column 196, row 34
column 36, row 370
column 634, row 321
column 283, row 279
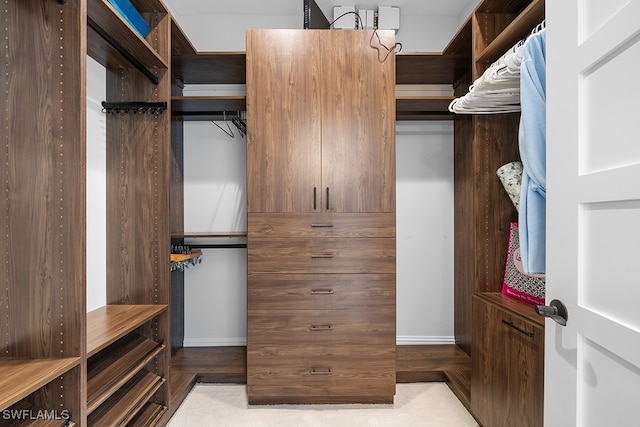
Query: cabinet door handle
column 321, row 328
column 322, row 291
column 512, row 325
column 326, row 371
column 322, row 225
column 327, row 198
column 314, row 256
column 315, row 198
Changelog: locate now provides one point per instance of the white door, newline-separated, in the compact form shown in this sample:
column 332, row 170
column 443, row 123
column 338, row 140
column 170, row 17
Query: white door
column 592, row 365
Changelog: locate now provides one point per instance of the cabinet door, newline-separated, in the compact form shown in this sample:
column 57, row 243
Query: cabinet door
column 283, row 140
column 358, row 121
column 507, row 368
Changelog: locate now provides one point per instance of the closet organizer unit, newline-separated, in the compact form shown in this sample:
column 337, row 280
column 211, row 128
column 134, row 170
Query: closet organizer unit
column 321, row 216
column 503, row 336
column 109, row 366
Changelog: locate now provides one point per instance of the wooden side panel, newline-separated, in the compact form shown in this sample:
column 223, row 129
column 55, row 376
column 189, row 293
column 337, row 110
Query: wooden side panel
column 358, row 122
column 139, row 173
column 42, row 202
column 283, row 112
column 176, row 219
column 464, row 242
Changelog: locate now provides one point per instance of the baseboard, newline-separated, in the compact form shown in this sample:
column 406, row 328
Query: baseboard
column 215, row 342
column 426, row 340
column 239, row 341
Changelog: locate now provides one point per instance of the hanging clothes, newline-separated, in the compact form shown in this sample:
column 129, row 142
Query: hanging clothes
column 532, row 144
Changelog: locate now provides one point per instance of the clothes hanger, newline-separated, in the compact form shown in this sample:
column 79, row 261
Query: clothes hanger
column 229, row 132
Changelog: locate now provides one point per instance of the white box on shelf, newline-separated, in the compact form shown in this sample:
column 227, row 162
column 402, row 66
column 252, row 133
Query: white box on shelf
column 388, row 18
column 347, row 21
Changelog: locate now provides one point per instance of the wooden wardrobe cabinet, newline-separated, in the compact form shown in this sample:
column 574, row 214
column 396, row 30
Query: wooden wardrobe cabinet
column 321, row 217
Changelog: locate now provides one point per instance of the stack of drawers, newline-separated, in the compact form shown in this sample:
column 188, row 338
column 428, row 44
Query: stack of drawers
column 321, row 308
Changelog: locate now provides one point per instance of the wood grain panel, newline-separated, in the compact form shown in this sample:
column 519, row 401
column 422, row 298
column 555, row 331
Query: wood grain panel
column 108, row 324
column 283, row 112
column 507, row 373
column 464, row 241
column 321, row 292
column 42, row 206
column 329, row 329
column 358, row 122
column 348, row 255
column 495, row 144
column 286, row 225
column 363, row 374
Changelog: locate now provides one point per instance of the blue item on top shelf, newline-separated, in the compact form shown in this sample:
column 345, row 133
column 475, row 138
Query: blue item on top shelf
column 131, row 15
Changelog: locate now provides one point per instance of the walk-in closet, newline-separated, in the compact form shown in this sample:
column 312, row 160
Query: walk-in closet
column 145, row 247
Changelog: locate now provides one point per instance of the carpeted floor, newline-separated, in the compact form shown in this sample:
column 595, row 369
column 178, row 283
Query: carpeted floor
column 416, row 405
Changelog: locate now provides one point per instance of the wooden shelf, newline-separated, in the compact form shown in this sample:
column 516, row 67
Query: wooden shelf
column 123, row 406
column 423, row 107
column 185, row 257
column 210, row 67
column 203, row 108
column 513, row 305
column 517, row 30
column 111, row 30
column 206, row 107
column 149, row 415
column 107, row 324
column 208, row 234
column 110, row 369
column 21, row 377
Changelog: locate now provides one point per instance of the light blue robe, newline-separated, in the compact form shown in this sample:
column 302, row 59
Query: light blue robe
column 533, row 145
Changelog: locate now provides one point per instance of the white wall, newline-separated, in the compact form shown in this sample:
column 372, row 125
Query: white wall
column 424, row 217
column 96, row 187
column 227, row 32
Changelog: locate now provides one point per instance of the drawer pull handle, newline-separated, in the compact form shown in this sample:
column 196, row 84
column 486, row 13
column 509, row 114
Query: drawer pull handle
column 315, row 190
column 322, row 225
column 321, row 328
column 327, row 371
column 318, row 256
column 327, row 198
column 321, row 291
column 511, row 325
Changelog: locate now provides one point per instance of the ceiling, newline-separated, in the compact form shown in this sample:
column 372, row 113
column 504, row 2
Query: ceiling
column 294, row 7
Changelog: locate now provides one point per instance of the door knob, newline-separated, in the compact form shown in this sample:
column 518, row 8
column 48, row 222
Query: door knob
column 556, row 310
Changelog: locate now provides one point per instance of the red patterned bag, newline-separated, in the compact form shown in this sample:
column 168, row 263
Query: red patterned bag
column 525, row 287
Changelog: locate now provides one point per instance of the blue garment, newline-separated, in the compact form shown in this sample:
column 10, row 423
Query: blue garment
column 533, row 146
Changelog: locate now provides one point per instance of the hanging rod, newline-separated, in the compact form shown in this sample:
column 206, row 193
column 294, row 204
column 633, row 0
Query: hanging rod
column 133, row 107
column 218, row 245
column 122, row 51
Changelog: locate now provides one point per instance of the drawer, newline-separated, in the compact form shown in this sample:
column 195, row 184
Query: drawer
column 288, row 225
column 321, row 291
column 282, row 374
column 299, row 328
column 322, row 255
